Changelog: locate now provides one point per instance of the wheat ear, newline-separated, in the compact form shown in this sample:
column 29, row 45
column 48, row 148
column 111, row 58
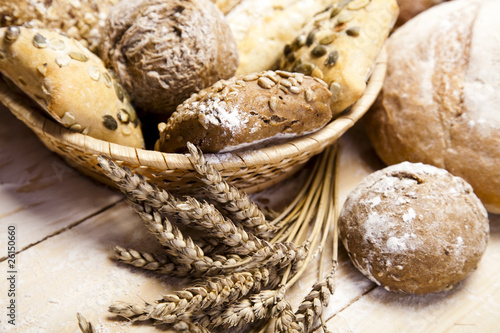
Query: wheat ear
column 236, row 202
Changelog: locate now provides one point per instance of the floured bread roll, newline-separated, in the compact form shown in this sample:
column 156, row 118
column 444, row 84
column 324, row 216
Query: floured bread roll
column 247, row 111
column 70, row 83
column 340, row 45
column 82, row 20
column 411, row 8
column 263, row 27
column 163, row 51
column 414, row 228
column 226, row 6
column 439, row 103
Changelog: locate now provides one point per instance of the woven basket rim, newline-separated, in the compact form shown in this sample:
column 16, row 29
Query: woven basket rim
column 316, row 141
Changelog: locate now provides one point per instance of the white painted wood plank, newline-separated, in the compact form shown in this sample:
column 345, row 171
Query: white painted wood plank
column 39, row 192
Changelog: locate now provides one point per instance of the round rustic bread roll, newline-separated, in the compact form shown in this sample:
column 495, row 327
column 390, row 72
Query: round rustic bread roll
column 439, row 103
column 248, row 111
column 414, row 228
column 163, row 51
column 410, row 8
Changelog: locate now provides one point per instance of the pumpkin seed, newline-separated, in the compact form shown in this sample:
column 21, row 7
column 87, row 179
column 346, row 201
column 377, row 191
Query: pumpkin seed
column 119, row 91
column 335, row 12
column 344, row 18
column 310, row 38
column 123, row 116
column 109, row 122
column 56, row 44
column 11, row 34
column 21, row 81
column 305, row 68
column 353, row 32
column 63, row 60
column 327, row 39
column 332, row 58
column 39, row 41
column 76, row 127
column 107, row 80
column 299, row 42
column 319, row 51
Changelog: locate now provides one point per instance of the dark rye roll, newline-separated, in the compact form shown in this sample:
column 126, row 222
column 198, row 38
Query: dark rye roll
column 248, row 112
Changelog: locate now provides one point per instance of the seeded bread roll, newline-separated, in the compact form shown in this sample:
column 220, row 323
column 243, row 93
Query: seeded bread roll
column 82, row 20
column 439, row 103
column 340, row 46
column 246, row 112
column 414, row 228
column 263, row 27
column 70, row 83
column 225, row 6
column 163, row 51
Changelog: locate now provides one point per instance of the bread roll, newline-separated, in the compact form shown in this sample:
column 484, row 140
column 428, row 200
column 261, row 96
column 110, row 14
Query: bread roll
column 163, row 51
column 263, row 27
column 226, row 6
column 340, row 46
column 414, row 228
column 70, row 83
column 246, row 112
column 411, row 8
column 82, row 20
column 439, row 103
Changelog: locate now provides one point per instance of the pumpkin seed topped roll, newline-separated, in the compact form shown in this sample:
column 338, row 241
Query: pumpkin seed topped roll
column 340, row 46
column 248, row 112
column 70, row 83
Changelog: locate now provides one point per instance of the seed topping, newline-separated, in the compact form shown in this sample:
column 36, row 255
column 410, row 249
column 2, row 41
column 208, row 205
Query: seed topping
column 39, row 41
column 109, row 122
column 11, row 34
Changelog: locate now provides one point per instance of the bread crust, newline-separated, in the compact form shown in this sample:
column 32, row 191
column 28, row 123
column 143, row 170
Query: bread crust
column 70, row 83
column 247, row 111
column 414, row 228
column 439, row 102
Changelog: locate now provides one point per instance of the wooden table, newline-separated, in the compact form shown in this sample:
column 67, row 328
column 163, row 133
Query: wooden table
column 66, row 224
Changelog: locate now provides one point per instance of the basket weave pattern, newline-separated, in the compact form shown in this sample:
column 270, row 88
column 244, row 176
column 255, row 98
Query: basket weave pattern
column 251, row 171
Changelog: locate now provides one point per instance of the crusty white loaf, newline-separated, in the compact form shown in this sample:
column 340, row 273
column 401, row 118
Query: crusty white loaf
column 439, row 103
column 263, row 27
column 70, row 83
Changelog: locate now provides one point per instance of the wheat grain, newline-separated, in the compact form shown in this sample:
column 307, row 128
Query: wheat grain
column 236, row 202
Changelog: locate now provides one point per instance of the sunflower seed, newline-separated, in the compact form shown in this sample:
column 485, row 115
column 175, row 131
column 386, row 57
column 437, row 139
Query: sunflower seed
column 273, row 103
column 68, row 119
column 295, row 90
column 63, row 60
column 78, row 56
column 357, row 4
column 250, row 77
column 76, row 127
column 94, row 73
column 265, row 83
column 310, row 95
column 286, row 83
column 335, row 89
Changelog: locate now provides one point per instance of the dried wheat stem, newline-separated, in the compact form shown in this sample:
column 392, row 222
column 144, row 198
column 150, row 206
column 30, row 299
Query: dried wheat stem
column 189, row 327
column 85, row 326
column 212, row 292
column 318, row 298
column 266, row 304
column 238, row 203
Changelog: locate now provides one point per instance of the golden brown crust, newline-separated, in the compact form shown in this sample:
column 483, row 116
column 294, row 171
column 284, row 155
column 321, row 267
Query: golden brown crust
column 340, row 46
column 70, row 83
column 82, row 20
column 438, row 101
column 414, row 228
column 163, row 51
column 248, row 110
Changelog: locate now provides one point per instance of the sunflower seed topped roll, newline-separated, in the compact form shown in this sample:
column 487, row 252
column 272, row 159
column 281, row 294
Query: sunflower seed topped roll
column 340, row 46
column 70, row 83
column 247, row 112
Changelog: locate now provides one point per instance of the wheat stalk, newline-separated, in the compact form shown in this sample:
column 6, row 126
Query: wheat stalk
column 236, row 202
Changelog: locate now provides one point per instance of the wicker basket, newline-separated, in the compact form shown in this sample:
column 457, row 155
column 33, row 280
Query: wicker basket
column 250, row 170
